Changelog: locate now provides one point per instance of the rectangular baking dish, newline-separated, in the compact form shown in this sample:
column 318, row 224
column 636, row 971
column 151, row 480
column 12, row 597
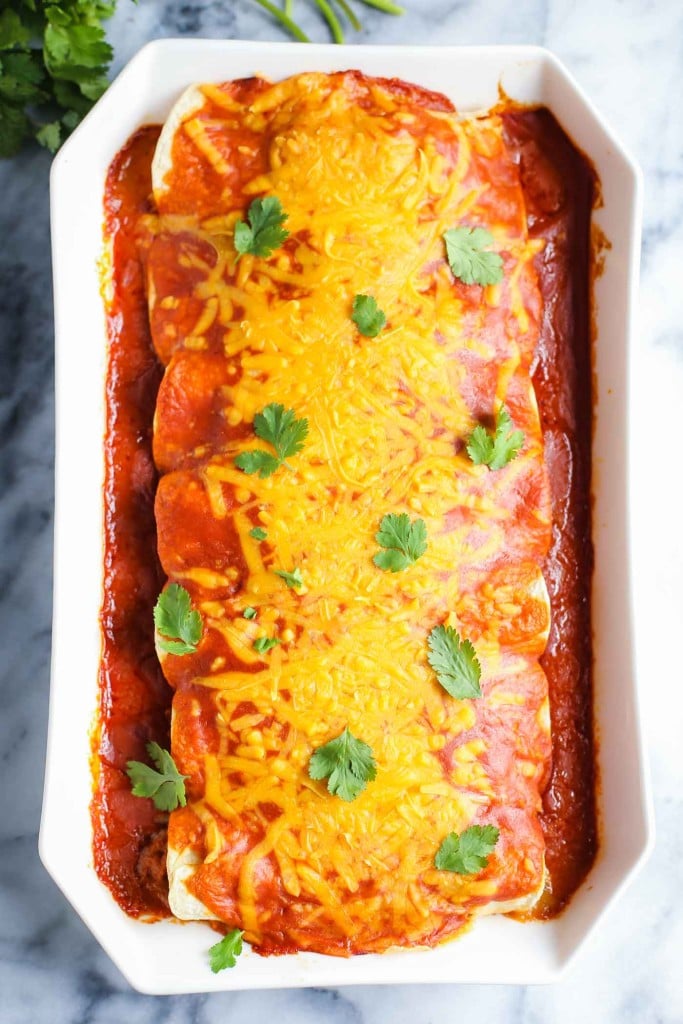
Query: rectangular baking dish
column 171, row 958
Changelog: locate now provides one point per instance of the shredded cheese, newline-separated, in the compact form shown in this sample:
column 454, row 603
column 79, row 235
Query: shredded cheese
column 369, row 188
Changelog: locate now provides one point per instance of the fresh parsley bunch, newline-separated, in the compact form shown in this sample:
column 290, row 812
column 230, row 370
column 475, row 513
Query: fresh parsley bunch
column 54, row 60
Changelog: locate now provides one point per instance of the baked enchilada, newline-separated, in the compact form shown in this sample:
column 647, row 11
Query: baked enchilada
column 326, row 306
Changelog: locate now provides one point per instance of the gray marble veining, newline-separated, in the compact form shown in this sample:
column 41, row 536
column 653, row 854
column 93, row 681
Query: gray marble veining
column 628, row 55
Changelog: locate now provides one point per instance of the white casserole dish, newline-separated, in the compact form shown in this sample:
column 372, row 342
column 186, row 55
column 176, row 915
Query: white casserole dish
column 167, row 957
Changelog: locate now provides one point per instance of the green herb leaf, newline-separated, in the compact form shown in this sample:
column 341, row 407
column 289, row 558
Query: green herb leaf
column 258, row 533
column 367, row 316
column 15, row 128
column 292, row 579
column 279, row 427
column 178, row 625
column 69, row 96
column 259, row 462
column 497, row 449
column 20, row 77
column 50, row 136
column 455, row 662
column 467, row 853
column 265, row 643
column 347, row 763
column 165, row 785
column 264, row 232
column 480, row 446
column 249, row 613
column 71, row 119
column 224, row 953
column 13, row 32
column 404, row 542
column 74, row 51
column 465, row 248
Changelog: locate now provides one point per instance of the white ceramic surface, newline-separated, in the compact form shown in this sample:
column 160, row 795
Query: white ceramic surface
column 167, row 958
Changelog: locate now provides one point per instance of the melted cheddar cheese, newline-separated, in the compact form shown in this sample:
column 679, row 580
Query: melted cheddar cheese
column 370, row 173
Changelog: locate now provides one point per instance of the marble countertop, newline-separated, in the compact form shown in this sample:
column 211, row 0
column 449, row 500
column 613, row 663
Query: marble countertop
column 628, row 55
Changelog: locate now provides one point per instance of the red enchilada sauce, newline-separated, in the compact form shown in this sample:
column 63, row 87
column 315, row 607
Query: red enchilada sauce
column 135, row 699
column 129, row 834
column 559, row 189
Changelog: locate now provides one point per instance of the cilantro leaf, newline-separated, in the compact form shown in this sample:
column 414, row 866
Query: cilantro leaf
column 265, row 643
column 71, row 119
column 264, row 232
column 13, row 32
column 455, row 662
column 20, row 77
column 15, row 127
column 367, row 316
column 257, row 461
column 258, row 533
column 249, row 613
column 404, row 542
column 50, row 136
column 224, row 953
column 480, row 446
column 280, row 428
column 179, row 625
column 507, row 443
column 495, row 451
column 468, row 259
column 69, row 96
column 72, row 49
column 293, row 579
column 166, row 786
column 467, row 853
column 347, row 763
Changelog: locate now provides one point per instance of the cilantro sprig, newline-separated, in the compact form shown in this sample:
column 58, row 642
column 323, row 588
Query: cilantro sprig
column 266, row 643
column 497, row 449
column 264, row 233
column 293, row 579
column 455, row 662
column 178, row 624
column 165, row 785
column 403, row 542
column 347, row 763
column 281, row 429
column 258, row 533
column 224, row 953
column 367, row 316
column 54, row 59
column 467, row 853
column 468, row 257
